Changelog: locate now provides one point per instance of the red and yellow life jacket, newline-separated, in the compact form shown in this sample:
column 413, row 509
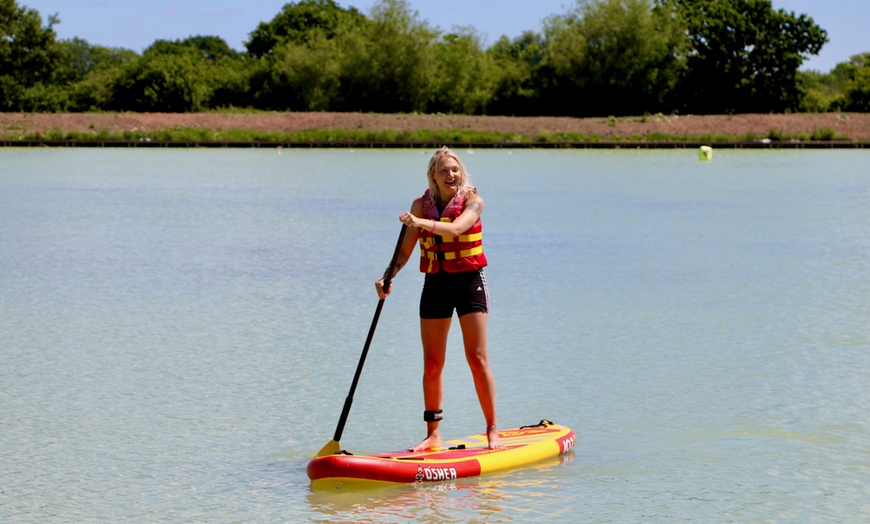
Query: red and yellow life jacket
column 450, row 254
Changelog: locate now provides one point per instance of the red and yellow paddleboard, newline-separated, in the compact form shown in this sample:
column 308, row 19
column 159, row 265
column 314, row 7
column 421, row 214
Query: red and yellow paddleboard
column 459, row 458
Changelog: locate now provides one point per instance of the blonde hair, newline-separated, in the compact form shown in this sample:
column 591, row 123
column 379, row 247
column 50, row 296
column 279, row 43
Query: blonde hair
column 464, row 185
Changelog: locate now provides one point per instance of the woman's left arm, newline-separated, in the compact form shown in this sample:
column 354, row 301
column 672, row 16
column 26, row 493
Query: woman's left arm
column 470, row 215
column 472, row 211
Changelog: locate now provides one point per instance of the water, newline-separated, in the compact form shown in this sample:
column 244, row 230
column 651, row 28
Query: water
column 180, row 328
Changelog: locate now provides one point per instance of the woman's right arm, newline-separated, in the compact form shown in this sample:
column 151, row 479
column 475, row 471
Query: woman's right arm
column 409, row 243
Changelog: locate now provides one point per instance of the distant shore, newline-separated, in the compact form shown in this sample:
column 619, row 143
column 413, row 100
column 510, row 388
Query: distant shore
column 408, row 130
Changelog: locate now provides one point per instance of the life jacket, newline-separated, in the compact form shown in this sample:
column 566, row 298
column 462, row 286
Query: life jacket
column 450, row 254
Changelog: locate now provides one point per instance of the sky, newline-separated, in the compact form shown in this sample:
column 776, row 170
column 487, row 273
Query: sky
column 120, row 23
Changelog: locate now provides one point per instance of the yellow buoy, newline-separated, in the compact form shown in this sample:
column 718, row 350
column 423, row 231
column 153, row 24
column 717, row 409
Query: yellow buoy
column 705, row 153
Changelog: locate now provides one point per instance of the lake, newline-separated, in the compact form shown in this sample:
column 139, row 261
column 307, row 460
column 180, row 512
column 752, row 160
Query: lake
column 180, row 329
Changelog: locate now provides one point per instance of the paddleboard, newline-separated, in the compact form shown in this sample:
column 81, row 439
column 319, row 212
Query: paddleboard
column 468, row 457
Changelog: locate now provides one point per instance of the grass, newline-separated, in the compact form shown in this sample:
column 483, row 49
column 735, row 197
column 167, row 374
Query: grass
column 362, row 136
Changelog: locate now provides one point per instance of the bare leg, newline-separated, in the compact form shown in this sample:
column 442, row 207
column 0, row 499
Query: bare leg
column 434, row 335
column 474, row 338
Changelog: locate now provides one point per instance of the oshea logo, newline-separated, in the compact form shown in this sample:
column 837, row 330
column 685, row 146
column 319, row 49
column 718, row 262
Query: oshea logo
column 434, row 474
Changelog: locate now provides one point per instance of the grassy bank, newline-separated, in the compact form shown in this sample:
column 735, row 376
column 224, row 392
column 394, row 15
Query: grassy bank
column 446, row 136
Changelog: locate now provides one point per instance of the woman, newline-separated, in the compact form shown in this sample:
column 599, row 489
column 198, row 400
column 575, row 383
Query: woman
column 446, row 221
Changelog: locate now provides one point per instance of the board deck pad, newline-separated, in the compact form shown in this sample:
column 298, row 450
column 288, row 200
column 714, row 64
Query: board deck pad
column 460, row 458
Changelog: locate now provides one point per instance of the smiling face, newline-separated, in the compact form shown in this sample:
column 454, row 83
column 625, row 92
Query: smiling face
column 447, row 176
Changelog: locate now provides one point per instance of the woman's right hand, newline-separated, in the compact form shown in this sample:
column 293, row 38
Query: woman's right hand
column 410, row 220
column 379, row 286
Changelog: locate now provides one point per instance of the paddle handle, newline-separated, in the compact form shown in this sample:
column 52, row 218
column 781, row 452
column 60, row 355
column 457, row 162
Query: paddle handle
column 388, row 277
column 388, row 274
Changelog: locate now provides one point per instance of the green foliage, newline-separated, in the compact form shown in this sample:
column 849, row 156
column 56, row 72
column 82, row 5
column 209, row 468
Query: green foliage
column 44, row 98
column 517, row 86
column 615, row 57
column 231, row 82
column 464, row 77
column 212, row 47
column 858, row 84
column 305, row 76
column 93, row 71
column 85, row 58
column 31, row 61
column 598, row 58
column 822, row 91
column 390, row 62
column 845, row 88
column 823, row 134
column 170, row 77
column 745, row 56
column 297, row 23
column 321, row 57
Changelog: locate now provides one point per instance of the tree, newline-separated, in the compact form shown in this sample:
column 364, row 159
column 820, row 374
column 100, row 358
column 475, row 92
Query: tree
column 94, row 69
column 858, row 85
column 85, row 58
column 171, row 76
column 213, row 48
column 389, row 66
column 613, row 57
column 300, row 55
column 745, row 56
column 518, row 84
column 464, row 76
column 297, row 23
column 32, row 63
column 822, row 91
column 303, row 76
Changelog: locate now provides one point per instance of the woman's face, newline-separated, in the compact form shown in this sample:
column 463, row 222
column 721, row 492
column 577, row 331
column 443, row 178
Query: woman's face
column 447, row 176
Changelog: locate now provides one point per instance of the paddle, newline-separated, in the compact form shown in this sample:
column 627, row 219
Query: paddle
column 333, row 446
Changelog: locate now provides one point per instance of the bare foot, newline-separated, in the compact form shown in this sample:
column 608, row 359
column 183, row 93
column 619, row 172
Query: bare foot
column 433, row 441
column 492, row 437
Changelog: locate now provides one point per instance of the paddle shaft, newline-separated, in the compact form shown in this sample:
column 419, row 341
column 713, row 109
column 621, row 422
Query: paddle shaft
column 388, row 277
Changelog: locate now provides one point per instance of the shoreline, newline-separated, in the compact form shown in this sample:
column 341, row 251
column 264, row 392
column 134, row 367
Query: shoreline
column 177, row 144
column 369, row 130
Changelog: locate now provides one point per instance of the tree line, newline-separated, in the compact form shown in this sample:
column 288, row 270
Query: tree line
column 599, row 58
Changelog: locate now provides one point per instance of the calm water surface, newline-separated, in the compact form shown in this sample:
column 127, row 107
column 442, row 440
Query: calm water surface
column 178, row 331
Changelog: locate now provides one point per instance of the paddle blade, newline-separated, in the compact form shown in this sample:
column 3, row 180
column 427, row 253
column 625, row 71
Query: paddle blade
column 331, row 448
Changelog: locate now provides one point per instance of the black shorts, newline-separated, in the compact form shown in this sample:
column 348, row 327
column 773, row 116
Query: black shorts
column 464, row 292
